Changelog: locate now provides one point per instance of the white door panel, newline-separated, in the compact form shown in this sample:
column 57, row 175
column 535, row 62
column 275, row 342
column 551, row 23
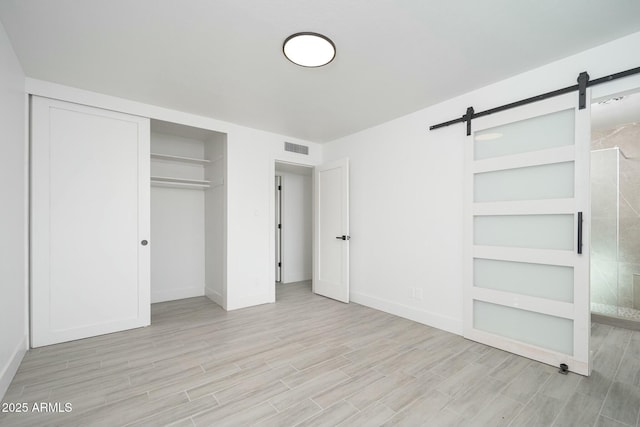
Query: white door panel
column 90, row 212
column 331, row 266
column 526, row 285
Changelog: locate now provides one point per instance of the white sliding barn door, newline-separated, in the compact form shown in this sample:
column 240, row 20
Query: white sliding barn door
column 89, row 217
column 331, row 251
column 526, row 284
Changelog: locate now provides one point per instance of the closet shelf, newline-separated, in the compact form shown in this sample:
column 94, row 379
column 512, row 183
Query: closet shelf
column 165, row 181
column 169, row 157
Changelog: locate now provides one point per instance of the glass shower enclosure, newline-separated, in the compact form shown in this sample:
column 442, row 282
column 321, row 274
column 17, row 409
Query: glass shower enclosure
column 614, row 282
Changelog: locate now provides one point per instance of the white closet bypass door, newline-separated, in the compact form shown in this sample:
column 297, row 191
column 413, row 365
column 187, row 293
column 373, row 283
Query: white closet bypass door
column 331, row 251
column 526, row 274
column 89, row 217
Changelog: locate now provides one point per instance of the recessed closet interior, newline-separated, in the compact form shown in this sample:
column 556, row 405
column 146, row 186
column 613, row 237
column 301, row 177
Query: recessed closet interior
column 188, row 223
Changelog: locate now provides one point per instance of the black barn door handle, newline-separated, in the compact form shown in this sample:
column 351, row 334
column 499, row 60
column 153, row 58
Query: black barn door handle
column 579, row 232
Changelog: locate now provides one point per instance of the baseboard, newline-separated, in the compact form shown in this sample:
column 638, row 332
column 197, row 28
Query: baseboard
column 10, row 369
column 297, row 282
column 215, row 296
column 250, row 301
column 435, row 320
column 295, row 278
column 174, row 294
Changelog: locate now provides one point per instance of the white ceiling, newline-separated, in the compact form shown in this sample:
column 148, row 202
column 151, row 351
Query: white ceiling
column 614, row 112
column 223, row 58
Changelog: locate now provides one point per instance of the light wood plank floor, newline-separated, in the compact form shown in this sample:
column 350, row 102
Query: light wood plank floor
column 311, row 361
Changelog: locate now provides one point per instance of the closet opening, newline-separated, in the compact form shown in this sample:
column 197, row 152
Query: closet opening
column 188, row 213
column 293, row 226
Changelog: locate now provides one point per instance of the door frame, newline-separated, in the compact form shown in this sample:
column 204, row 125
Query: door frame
column 272, row 218
column 278, row 227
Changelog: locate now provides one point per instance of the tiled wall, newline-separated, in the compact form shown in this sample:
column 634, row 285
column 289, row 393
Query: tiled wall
column 627, row 137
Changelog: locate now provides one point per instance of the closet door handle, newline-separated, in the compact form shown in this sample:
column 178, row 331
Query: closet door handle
column 144, row 243
column 579, row 232
column 343, row 237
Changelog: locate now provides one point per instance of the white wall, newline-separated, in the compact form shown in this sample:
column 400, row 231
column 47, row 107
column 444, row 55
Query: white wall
column 250, row 168
column 296, row 227
column 406, row 191
column 216, row 220
column 251, row 157
column 177, row 223
column 13, row 215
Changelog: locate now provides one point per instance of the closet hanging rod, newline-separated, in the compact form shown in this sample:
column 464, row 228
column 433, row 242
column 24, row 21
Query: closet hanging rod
column 583, row 83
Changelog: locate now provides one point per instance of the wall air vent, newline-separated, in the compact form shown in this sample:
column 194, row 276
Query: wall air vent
column 296, row 148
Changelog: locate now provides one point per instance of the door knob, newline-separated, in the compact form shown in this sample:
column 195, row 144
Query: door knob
column 343, row 237
column 144, row 243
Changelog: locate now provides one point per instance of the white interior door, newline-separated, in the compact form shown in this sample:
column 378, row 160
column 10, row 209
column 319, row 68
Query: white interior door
column 89, row 221
column 526, row 275
column 331, row 251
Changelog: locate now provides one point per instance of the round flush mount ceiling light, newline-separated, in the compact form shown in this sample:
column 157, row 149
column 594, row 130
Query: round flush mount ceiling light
column 309, row 49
